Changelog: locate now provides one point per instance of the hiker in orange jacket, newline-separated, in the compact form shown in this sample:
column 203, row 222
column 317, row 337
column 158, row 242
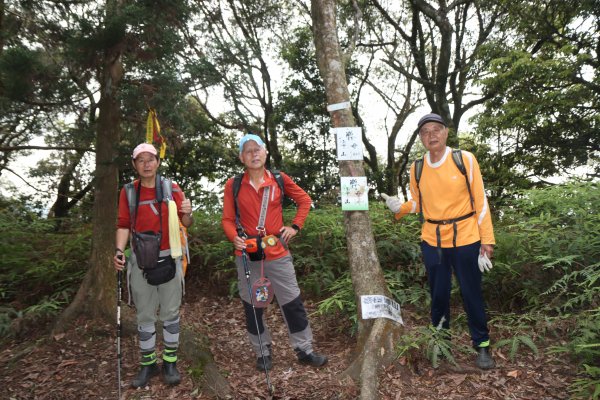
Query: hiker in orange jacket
column 278, row 267
column 457, row 232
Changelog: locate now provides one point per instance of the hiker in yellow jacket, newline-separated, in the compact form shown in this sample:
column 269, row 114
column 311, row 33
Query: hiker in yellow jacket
column 457, row 232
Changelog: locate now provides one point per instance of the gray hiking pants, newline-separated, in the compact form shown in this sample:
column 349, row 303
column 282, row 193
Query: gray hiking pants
column 282, row 275
column 148, row 299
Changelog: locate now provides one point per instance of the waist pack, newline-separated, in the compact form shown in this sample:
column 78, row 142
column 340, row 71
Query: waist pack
column 146, row 247
column 163, row 272
column 254, row 248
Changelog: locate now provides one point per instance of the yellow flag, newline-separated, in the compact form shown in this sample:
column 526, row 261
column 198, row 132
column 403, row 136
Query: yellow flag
column 153, row 132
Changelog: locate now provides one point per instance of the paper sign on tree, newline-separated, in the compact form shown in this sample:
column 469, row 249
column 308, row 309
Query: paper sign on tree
column 355, row 193
column 349, row 143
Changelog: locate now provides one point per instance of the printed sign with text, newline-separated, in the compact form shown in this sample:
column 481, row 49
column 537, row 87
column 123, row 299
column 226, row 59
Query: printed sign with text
column 378, row 306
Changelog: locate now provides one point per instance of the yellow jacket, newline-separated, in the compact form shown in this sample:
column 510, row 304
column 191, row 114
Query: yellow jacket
column 445, row 196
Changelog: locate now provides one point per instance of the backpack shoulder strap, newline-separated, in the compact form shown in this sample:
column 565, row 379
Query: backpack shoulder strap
column 458, row 160
column 418, row 173
column 237, row 183
column 277, row 175
column 130, row 192
column 418, row 170
column 167, row 188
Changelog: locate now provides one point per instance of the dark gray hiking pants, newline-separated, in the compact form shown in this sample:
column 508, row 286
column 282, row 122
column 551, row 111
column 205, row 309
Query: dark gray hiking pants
column 282, row 275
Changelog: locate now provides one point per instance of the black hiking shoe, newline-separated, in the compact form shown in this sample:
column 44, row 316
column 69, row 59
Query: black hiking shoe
column 484, row 359
column 144, row 376
column 266, row 364
column 313, row 359
column 170, row 373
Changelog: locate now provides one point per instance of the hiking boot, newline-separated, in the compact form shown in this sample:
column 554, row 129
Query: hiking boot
column 170, row 373
column 313, row 359
column 484, row 358
column 266, row 364
column 143, row 377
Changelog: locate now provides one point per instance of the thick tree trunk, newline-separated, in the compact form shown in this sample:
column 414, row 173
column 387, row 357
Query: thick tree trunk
column 376, row 338
column 96, row 295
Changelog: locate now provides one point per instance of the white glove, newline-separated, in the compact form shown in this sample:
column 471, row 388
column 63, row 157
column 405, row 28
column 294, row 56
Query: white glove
column 484, row 263
column 393, row 202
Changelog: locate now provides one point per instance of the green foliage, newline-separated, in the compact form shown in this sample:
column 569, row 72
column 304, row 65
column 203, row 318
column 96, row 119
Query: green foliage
column 588, row 385
column 548, row 248
column 39, row 269
column 543, row 114
column 585, row 338
column 514, row 343
column 431, row 342
column 342, row 301
column 320, row 254
column 514, row 329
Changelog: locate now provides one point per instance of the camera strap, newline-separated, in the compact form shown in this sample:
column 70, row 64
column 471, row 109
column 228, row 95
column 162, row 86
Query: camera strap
column 263, row 212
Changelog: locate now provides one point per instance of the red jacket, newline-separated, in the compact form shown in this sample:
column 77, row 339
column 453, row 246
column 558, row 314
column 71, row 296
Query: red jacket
column 146, row 219
column 249, row 203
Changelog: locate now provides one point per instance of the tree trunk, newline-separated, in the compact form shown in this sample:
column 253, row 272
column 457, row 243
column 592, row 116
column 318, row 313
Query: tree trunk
column 96, row 294
column 376, row 338
column 195, row 348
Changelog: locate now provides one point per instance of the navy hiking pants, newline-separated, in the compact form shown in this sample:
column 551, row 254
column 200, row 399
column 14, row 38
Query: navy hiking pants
column 463, row 260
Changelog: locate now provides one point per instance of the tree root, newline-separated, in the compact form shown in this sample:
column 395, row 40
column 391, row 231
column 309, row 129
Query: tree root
column 194, row 347
column 377, row 352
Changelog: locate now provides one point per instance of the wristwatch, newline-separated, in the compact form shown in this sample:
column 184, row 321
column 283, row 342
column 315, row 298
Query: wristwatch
column 296, row 228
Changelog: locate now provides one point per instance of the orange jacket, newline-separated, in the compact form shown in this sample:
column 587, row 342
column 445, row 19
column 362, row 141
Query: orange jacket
column 249, row 203
column 445, row 196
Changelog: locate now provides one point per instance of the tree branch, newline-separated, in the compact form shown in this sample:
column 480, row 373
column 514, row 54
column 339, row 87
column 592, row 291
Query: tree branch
column 18, row 148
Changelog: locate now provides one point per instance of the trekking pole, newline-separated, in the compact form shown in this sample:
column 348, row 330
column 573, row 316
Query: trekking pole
column 262, row 353
column 119, row 285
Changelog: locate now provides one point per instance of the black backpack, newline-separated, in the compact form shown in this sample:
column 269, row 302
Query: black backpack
column 458, row 161
column 237, row 183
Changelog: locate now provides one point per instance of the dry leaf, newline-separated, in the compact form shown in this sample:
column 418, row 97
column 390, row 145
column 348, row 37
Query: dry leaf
column 514, row 374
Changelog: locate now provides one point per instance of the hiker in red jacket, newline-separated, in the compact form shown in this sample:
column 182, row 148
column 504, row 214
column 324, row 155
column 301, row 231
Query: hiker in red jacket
column 260, row 190
column 154, row 277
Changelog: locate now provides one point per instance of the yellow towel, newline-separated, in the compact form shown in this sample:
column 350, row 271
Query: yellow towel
column 174, row 239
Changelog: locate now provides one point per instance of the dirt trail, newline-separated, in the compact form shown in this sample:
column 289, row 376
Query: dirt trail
column 81, row 364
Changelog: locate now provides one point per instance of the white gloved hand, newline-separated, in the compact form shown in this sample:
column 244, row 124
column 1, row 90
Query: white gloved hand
column 392, row 202
column 484, row 263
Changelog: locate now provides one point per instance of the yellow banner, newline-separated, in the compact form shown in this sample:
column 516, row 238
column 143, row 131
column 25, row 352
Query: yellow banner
column 153, row 133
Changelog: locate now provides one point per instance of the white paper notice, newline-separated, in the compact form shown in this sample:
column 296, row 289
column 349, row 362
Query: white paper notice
column 355, row 193
column 349, row 143
column 378, row 306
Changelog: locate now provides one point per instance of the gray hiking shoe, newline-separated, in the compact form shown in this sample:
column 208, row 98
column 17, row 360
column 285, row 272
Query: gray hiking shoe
column 266, row 364
column 484, row 358
column 313, row 359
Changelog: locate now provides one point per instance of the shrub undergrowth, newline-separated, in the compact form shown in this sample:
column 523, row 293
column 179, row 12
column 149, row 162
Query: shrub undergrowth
column 546, row 265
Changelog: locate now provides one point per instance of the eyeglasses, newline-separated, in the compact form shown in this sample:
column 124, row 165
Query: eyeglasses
column 427, row 132
column 253, row 150
column 145, row 161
